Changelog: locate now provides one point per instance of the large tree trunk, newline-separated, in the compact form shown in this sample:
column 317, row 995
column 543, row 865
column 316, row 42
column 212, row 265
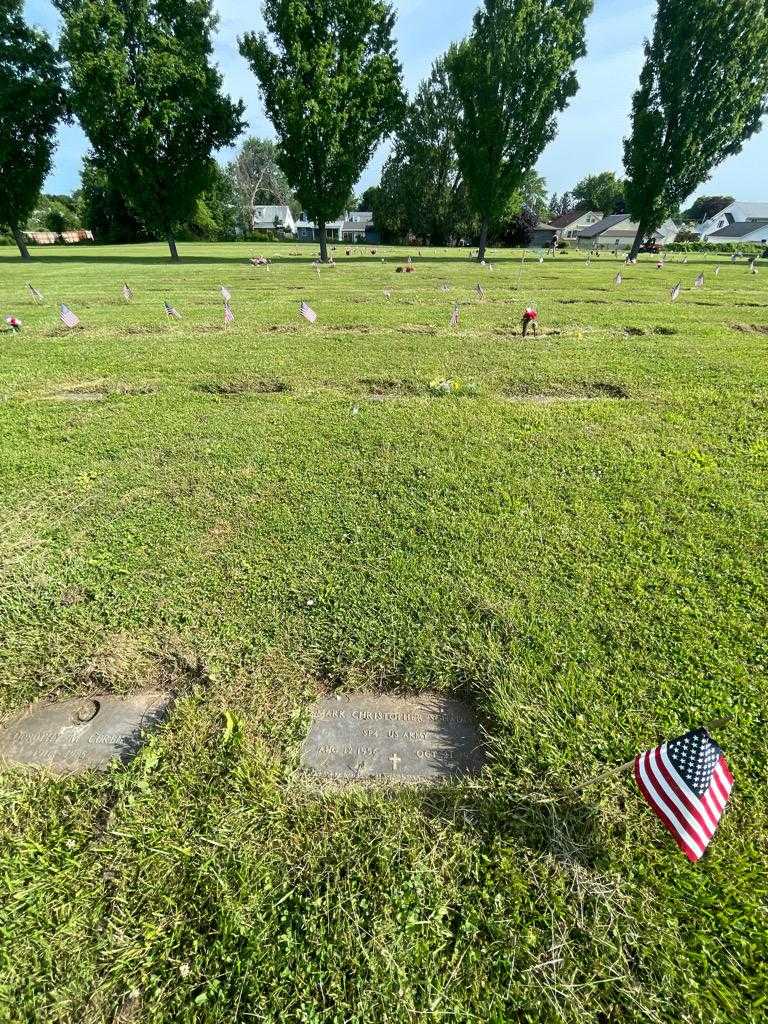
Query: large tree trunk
column 483, row 245
column 19, row 239
column 322, row 231
column 638, row 241
column 172, row 247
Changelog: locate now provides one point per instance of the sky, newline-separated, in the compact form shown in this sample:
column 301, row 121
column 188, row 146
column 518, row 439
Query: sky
column 591, row 129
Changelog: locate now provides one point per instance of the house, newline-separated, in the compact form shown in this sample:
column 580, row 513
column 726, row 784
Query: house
column 354, row 226
column 618, row 232
column 273, row 218
column 542, row 235
column 737, row 213
column 568, row 225
column 742, row 231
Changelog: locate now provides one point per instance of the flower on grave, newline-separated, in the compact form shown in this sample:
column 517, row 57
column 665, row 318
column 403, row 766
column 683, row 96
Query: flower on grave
column 530, row 314
column 14, row 323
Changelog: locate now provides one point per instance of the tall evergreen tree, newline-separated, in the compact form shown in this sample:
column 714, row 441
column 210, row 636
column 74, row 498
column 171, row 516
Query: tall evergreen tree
column 332, row 90
column 149, row 100
column 702, row 94
column 511, row 76
column 31, row 103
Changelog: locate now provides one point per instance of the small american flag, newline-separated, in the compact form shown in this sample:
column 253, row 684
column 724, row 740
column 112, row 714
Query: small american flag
column 225, row 293
column 307, row 312
column 229, row 316
column 455, row 313
column 444, row 288
column 699, row 282
column 387, row 293
column 541, row 259
column 67, row 317
column 717, row 271
column 127, row 293
column 171, row 312
column 36, row 295
column 675, row 293
column 685, row 259
column 480, row 290
column 618, row 279
column 686, row 783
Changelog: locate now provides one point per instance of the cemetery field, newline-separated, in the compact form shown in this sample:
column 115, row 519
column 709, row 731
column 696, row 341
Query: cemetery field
column 571, row 538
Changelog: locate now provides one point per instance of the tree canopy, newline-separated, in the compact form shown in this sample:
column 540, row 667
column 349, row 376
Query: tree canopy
column 702, row 93
column 704, row 207
column 149, row 100
column 31, row 104
column 332, row 88
column 602, row 192
column 258, row 179
column 511, row 77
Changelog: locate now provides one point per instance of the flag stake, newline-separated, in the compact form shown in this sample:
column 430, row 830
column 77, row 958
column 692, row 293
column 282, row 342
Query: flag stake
column 716, row 723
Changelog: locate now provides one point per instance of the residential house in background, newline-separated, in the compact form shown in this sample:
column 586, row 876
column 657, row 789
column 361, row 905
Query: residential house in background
column 716, row 229
column 354, row 226
column 618, row 232
column 273, row 218
column 568, row 225
column 542, row 235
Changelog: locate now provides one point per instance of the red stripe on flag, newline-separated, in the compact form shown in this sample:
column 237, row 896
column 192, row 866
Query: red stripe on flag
column 691, row 802
column 661, row 809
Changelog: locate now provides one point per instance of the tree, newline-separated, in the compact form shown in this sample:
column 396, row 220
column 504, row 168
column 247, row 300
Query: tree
column 369, row 198
column 518, row 231
column 422, row 181
column 600, row 192
column 705, row 207
column 149, row 100
column 511, row 76
column 702, row 94
column 332, row 90
column 31, row 104
column 258, row 179
column 103, row 209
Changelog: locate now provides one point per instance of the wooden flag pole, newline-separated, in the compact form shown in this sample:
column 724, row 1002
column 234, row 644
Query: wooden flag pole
column 716, row 723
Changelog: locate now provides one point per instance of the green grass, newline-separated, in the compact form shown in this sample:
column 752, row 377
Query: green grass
column 244, row 518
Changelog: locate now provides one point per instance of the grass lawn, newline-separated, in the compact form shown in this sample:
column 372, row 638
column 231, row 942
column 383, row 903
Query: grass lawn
column 574, row 542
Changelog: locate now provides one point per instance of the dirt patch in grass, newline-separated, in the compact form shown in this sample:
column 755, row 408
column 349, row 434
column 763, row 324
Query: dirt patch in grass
column 284, row 328
column 147, row 329
column 77, row 395
column 665, row 331
column 635, row 332
column 244, row 386
column 381, row 389
column 750, row 328
column 356, row 328
column 576, row 302
column 416, row 329
column 579, row 392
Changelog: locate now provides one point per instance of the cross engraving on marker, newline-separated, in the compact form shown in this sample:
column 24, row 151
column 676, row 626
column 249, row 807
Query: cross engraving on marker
column 395, row 762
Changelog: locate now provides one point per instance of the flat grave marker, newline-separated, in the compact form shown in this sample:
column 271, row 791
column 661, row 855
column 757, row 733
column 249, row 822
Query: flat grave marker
column 75, row 735
column 358, row 737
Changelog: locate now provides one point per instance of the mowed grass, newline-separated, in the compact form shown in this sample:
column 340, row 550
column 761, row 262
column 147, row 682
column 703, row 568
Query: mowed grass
column 574, row 542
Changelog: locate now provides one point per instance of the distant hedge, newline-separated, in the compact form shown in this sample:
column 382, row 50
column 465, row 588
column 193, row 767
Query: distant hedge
column 747, row 248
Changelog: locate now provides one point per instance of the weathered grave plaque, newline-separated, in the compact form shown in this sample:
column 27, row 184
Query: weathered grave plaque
column 361, row 736
column 74, row 735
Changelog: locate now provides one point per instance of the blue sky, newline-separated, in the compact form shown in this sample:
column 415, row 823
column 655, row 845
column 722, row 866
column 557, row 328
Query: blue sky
column 591, row 129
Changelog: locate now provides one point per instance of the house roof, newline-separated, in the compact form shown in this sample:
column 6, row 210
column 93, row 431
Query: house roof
column 753, row 211
column 569, row 218
column 603, row 225
column 545, row 226
column 740, row 228
column 270, row 212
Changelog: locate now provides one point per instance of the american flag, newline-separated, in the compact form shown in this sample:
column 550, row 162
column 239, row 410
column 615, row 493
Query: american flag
column 36, row 295
column 618, row 279
column 229, row 316
column 67, row 317
column 171, row 312
column 699, row 282
column 387, row 293
column 307, row 312
column 225, row 293
column 127, row 293
column 480, row 290
column 687, row 783
column 455, row 315
column 717, row 271
column 675, row 293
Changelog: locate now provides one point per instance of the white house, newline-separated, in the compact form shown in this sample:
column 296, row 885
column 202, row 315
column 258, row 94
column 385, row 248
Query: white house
column 568, row 225
column 354, row 226
column 273, row 218
column 737, row 213
column 618, row 232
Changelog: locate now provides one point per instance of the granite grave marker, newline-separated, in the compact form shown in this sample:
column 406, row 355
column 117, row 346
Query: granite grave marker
column 74, row 735
column 362, row 736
